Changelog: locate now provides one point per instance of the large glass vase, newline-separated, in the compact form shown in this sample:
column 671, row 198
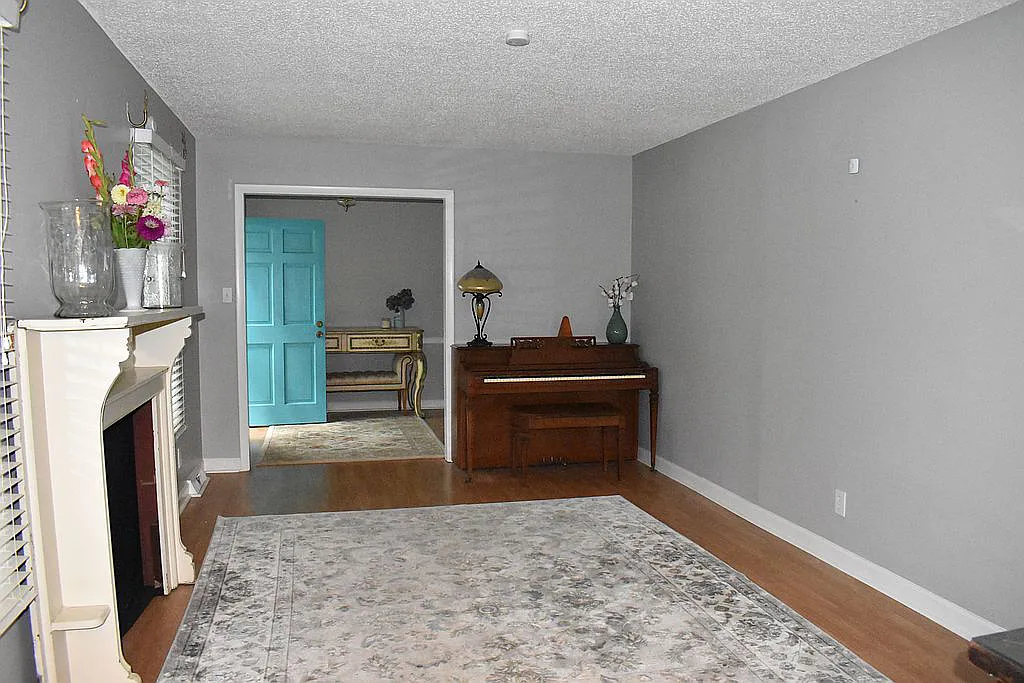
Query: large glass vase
column 81, row 254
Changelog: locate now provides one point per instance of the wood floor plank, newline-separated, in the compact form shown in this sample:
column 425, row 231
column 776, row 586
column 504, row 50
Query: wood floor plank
column 896, row 640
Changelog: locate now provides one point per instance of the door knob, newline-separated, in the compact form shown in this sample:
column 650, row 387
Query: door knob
column 319, row 333
column 319, row 323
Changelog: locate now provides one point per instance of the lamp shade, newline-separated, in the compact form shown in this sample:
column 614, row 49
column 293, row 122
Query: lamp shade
column 479, row 280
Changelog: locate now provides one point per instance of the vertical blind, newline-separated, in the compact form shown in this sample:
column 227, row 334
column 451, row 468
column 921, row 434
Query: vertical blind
column 153, row 163
column 17, row 588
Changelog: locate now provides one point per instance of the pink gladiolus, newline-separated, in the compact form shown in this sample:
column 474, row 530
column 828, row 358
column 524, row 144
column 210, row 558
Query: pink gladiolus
column 97, row 182
column 137, row 196
column 87, row 147
column 126, row 171
column 150, row 228
column 90, row 166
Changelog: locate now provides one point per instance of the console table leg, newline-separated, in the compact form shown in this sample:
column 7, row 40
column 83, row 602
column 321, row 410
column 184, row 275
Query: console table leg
column 417, row 385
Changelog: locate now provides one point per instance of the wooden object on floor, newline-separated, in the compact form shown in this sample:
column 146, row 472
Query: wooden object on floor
column 1000, row 655
column 536, row 370
column 403, row 341
column 603, row 417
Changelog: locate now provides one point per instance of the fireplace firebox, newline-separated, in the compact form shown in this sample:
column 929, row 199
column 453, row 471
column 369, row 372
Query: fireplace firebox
column 131, row 502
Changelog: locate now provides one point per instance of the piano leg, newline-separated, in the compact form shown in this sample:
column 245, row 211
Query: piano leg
column 653, row 400
column 520, row 451
column 610, row 444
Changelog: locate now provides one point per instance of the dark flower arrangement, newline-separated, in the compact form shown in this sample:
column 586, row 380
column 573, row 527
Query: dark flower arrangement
column 401, row 301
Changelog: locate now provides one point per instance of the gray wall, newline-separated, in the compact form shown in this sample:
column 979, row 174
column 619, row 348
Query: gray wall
column 550, row 225
column 373, row 250
column 17, row 663
column 863, row 332
column 60, row 66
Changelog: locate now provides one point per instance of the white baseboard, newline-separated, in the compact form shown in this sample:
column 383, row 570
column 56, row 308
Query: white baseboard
column 343, row 406
column 947, row 614
column 222, row 465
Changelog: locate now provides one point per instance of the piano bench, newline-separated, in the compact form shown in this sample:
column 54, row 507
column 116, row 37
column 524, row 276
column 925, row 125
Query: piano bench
column 603, row 416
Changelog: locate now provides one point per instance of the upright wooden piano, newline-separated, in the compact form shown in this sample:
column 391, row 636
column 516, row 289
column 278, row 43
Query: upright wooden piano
column 538, row 370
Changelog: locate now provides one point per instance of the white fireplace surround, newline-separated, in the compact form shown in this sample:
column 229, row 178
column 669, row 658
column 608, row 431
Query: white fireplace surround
column 77, row 377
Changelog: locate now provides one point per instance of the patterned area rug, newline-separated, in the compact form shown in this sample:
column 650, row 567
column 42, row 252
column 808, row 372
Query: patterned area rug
column 583, row 589
column 394, row 437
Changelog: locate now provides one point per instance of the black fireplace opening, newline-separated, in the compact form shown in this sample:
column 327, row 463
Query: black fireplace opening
column 128, row 453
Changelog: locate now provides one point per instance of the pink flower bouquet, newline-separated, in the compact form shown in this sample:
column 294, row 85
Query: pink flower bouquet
column 134, row 210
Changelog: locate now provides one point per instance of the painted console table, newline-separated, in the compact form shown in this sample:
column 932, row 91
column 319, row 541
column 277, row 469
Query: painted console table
column 407, row 345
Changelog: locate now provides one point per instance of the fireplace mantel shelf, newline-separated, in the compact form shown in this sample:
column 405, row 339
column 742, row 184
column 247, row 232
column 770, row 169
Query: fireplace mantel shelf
column 80, row 618
column 120, row 320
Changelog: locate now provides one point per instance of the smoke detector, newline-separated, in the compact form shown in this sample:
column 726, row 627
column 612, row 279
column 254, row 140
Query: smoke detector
column 517, row 37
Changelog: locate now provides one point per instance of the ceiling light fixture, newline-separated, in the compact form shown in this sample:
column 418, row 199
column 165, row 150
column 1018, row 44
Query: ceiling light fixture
column 517, row 37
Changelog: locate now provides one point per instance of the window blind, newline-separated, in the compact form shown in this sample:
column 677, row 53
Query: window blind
column 178, row 395
column 17, row 588
column 153, row 164
column 155, row 160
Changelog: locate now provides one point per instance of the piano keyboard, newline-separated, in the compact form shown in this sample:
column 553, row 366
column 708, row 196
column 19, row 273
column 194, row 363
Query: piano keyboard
column 561, row 378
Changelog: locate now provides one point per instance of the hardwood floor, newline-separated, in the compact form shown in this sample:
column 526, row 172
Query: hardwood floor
column 899, row 642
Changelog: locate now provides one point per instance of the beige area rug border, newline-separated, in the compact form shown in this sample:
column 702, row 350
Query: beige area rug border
column 429, row 447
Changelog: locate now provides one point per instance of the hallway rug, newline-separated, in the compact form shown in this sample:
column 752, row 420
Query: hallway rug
column 352, row 438
column 581, row 589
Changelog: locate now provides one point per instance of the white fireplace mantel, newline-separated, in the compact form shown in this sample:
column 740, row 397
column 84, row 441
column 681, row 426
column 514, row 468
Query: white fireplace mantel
column 77, row 376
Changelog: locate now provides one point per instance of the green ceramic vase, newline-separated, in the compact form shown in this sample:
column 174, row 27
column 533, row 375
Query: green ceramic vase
column 616, row 331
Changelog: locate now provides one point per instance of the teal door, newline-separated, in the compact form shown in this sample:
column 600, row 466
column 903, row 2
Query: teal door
column 284, row 314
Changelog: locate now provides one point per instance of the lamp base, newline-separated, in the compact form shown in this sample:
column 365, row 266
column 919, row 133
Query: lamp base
column 477, row 342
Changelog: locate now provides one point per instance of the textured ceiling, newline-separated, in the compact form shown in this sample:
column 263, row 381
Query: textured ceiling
column 616, row 77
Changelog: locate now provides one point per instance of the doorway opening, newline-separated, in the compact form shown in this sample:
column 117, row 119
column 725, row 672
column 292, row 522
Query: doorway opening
column 363, row 309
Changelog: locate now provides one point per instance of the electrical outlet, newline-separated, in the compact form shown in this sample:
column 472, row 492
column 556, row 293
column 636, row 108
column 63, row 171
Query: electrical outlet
column 227, row 295
column 840, row 503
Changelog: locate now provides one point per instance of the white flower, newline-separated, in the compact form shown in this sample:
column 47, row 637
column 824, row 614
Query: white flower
column 119, row 194
column 620, row 289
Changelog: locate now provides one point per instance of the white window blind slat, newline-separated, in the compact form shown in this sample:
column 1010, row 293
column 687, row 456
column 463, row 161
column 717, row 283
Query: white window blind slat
column 9, row 449
column 18, row 593
column 10, row 516
column 17, row 588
